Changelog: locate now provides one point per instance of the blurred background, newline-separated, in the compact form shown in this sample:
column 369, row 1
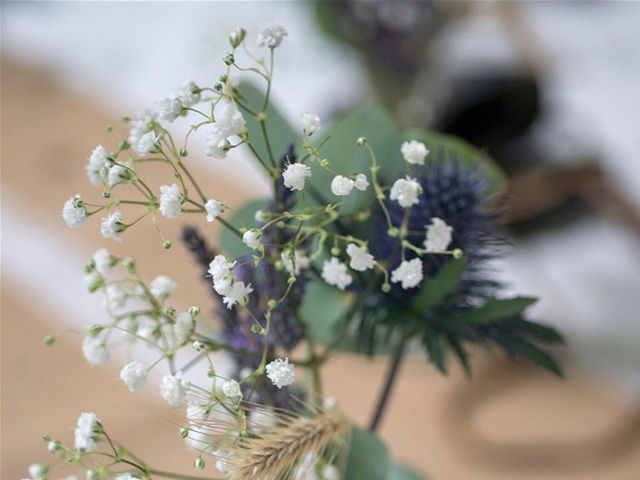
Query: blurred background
column 549, row 89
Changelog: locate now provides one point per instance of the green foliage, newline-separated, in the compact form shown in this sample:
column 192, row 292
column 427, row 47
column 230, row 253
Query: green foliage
column 435, row 290
column 368, row 457
column 323, row 306
column 494, row 309
column 400, row 471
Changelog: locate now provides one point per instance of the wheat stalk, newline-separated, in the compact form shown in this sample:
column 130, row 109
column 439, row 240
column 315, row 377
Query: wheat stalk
column 275, row 453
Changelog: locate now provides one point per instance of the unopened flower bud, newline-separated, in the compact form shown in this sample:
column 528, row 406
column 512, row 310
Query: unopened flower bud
column 393, row 232
column 194, row 311
column 49, row 340
column 183, row 432
column 237, row 36
column 170, row 312
column 386, row 288
column 198, row 463
column 94, row 329
column 272, row 303
column 167, row 244
column 183, row 152
column 457, row 253
column 228, row 59
column 335, row 251
column 361, row 141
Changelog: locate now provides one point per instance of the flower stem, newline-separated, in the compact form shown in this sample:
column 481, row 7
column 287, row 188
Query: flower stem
column 177, row 476
column 392, row 373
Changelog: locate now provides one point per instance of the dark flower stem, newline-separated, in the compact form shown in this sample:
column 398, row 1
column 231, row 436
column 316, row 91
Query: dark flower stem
column 392, row 373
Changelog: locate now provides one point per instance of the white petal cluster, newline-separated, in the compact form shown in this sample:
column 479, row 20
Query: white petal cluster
column 103, row 261
column 229, row 123
column 74, row 212
column 37, row 471
column 224, row 283
column 189, row 93
column 231, row 389
column 294, row 176
column 271, row 35
column 184, row 326
column 213, row 208
column 134, row 375
column 174, row 389
column 115, row 296
column 414, row 152
column 251, row 238
column 341, row 186
column 95, row 351
column 409, row 273
column 170, row 200
column 124, row 476
column 170, row 108
column 112, row 226
column 310, row 123
column 217, row 145
column 98, row 166
column 148, row 143
column 117, row 174
column 438, row 237
column 86, row 432
column 406, row 191
column 281, row 372
column 141, row 125
column 162, row 286
column 197, row 414
column 361, row 259
column 294, row 261
column 361, row 182
column 334, row 272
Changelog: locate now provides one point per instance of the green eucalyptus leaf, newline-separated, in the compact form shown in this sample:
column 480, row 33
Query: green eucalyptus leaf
column 241, row 218
column 368, row 457
column 400, row 471
column 281, row 134
column 539, row 332
column 435, row 349
column 322, row 308
column 494, row 309
column 436, row 289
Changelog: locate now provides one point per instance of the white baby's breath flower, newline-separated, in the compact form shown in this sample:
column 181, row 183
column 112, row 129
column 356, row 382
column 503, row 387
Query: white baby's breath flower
column 95, row 351
column 117, row 174
column 103, row 261
column 438, row 237
column 98, row 166
column 280, row 372
column 260, row 216
column 129, row 327
column 334, row 272
column 125, row 476
column 134, row 375
column 183, row 327
column 37, row 471
column 310, row 123
column 217, row 145
column 86, row 432
column 341, row 186
column 170, row 200
column 361, row 259
column 409, row 273
column 197, row 414
column 112, row 226
column 115, row 296
column 74, row 212
column 174, row 389
column 140, row 125
column 170, row 108
column 294, row 176
column 162, row 286
column 271, row 35
column 237, row 294
column 148, row 143
column 148, row 332
column 251, row 238
column 189, row 93
column 220, row 267
column 229, row 120
column 414, row 152
column 231, row 389
column 361, row 182
column 198, row 346
column 93, row 281
column 405, row 191
column 213, row 208
column 294, row 261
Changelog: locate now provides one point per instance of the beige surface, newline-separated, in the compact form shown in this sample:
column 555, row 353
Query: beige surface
column 509, row 422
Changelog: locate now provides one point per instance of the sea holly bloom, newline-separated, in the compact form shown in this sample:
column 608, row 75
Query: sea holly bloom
column 406, row 191
column 294, row 176
column 409, row 273
column 174, row 389
column 341, row 186
column 213, row 208
column 87, row 431
column 162, row 286
column 134, row 375
column 334, row 272
column 74, row 213
column 98, row 166
column 414, row 152
column 361, row 259
column 361, row 182
column 112, row 226
column 95, row 351
column 170, row 200
column 271, row 35
column 281, row 372
column 438, row 237
column 310, row 123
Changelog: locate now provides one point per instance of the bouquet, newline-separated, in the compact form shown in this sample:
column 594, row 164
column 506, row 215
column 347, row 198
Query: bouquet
column 374, row 240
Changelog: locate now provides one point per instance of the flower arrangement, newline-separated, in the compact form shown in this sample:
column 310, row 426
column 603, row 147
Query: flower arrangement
column 374, row 240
